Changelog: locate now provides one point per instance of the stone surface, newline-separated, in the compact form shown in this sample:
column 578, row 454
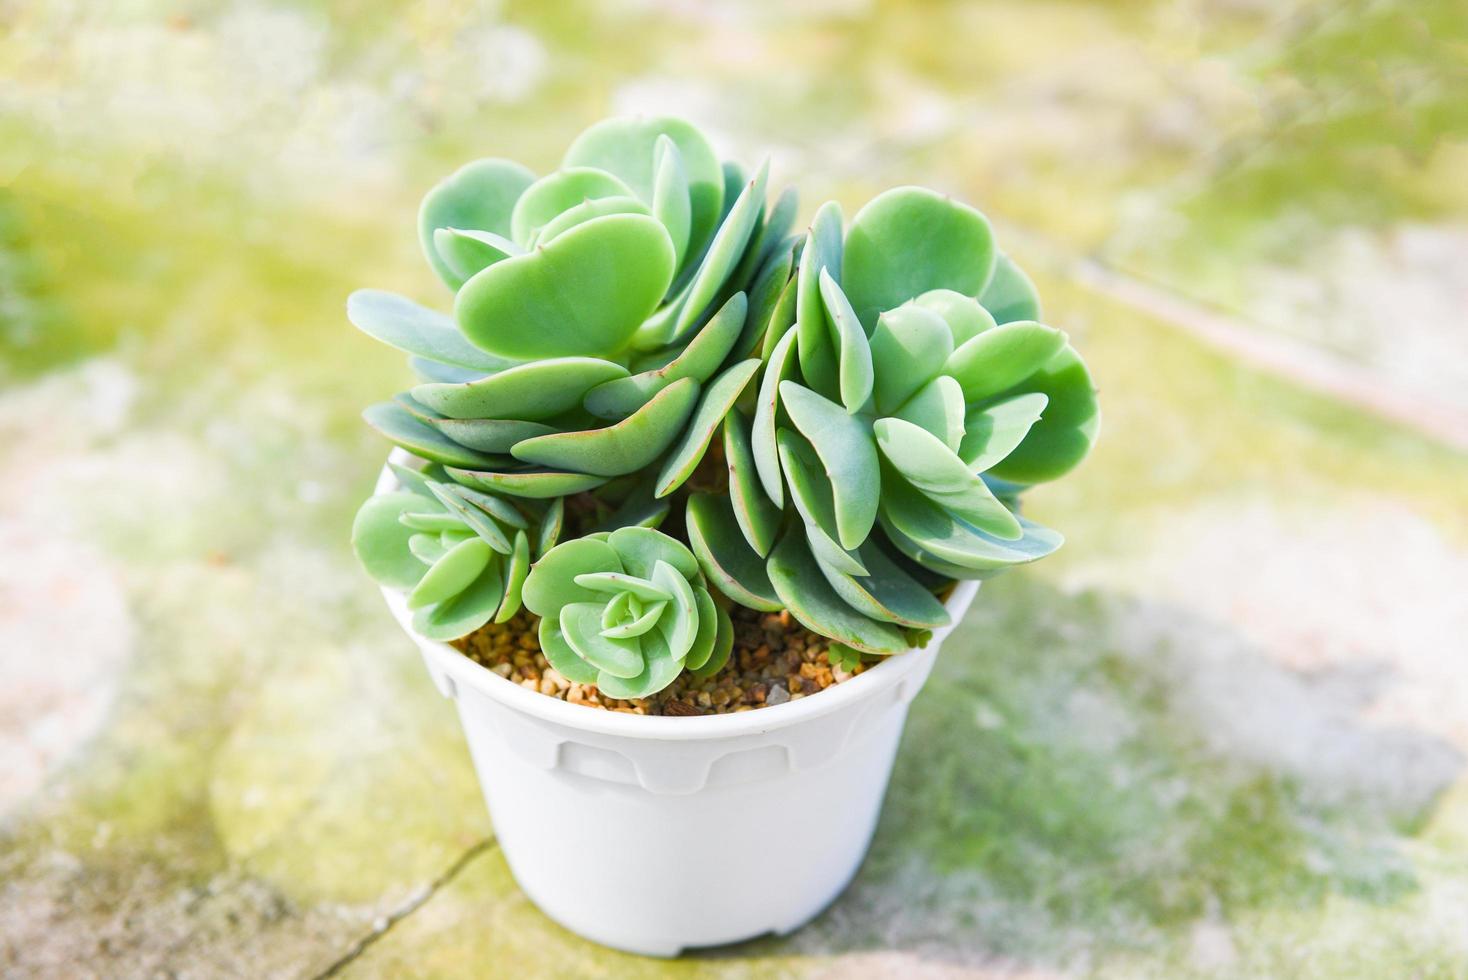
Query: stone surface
column 1220, row 734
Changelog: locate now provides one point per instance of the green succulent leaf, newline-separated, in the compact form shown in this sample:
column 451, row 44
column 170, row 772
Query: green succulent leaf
column 597, row 207
column 659, row 670
column 725, row 557
column 427, row 548
column 998, row 359
column 645, row 620
column 936, row 538
column 670, row 202
column 552, row 584
column 620, row 397
column 585, row 293
column 782, row 317
column 400, row 427
column 489, row 435
column 766, row 415
column 679, row 623
column 756, row 516
column 910, row 345
column 723, row 645
column 938, row 408
column 536, row 484
column 558, row 652
column 552, row 522
column 702, row 646
column 437, row 371
column 581, row 626
column 382, row 542
column 921, row 459
column 822, row 253
column 532, row 392
column 556, row 193
column 640, row 549
column 1010, row 294
column 467, row 251
column 717, row 401
column 910, row 240
column 965, row 317
column 399, row 322
column 515, row 574
column 764, row 296
column 621, row 582
column 480, row 195
column 627, row 146
column 993, row 431
column 811, row 600
column 844, row 444
column 464, row 613
column 888, row 594
column 724, row 252
column 416, row 481
column 472, row 517
column 812, row 497
column 452, row 573
column 624, row 447
column 1062, row 438
column 853, row 352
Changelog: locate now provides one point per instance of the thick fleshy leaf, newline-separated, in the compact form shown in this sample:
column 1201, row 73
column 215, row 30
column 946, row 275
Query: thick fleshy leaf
column 466, row 251
column 437, row 371
column 965, row 317
column 427, row 548
column 431, row 521
column 581, row 627
column 416, row 481
column 771, row 236
column 558, row 652
column 452, row 573
column 766, row 414
column 992, row 432
column 724, row 251
column 626, row 146
column 1063, row 437
column 670, row 203
column 756, row 516
column 844, row 444
column 782, row 317
column 560, row 191
column 822, row 253
column 624, row 447
column 934, row 537
column 480, row 195
column 637, row 507
column 472, row 517
column 646, row 620
column 937, row 407
column 909, row 347
column 909, row 240
column 614, row 583
column 399, row 426
column 717, row 401
column 515, row 573
column 764, row 296
column 725, row 557
column 998, row 359
column 530, row 392
column 381, row 541
column 620, row 397
column 552, row 522
column 853, row 352
column 679, row 622
column 1010, row 294
column 536, row 484
column 399, row 322
column 811, row 600
column 489, row 435
column 888, row 594
column 464, row 613
column 723, row 645
column 922, row 460
column 640, row 549
column 659, row 670
column 585, row 293
column 812, row 497
column 597, row 207
column 708, row 630
column 552, row 580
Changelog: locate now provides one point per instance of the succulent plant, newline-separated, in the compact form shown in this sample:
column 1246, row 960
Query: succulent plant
column 604, row 315
column 910, row 395
column 463, row 554
column 863, row 406
column 628, row 611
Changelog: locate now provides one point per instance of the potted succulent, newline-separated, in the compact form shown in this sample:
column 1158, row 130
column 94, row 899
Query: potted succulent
column 683, row 503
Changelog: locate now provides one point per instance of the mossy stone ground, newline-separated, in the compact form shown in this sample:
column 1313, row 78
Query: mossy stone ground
column 1220, row 734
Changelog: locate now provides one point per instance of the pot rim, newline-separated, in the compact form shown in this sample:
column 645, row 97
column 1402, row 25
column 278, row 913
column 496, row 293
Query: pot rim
column 890, row 671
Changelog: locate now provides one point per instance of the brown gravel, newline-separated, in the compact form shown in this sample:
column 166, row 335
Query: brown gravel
column 774, row 660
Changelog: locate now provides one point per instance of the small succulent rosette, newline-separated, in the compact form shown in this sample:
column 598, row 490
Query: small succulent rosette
column 606, row 316
column 910, row 394
column 462, row 554
column 628, row 611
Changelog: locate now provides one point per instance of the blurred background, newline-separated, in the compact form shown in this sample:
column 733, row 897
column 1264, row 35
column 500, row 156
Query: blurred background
column 1222, row 733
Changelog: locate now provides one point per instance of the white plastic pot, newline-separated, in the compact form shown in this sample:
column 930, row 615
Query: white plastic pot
column 659, row 834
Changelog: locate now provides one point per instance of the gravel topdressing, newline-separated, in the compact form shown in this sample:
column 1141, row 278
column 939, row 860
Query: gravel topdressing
column 774, row 660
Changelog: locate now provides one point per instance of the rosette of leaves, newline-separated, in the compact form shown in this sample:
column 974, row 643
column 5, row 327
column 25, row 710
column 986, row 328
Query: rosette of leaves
column 463, row 555
column 627, row 611
column 606, row 316
column 910, row 394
